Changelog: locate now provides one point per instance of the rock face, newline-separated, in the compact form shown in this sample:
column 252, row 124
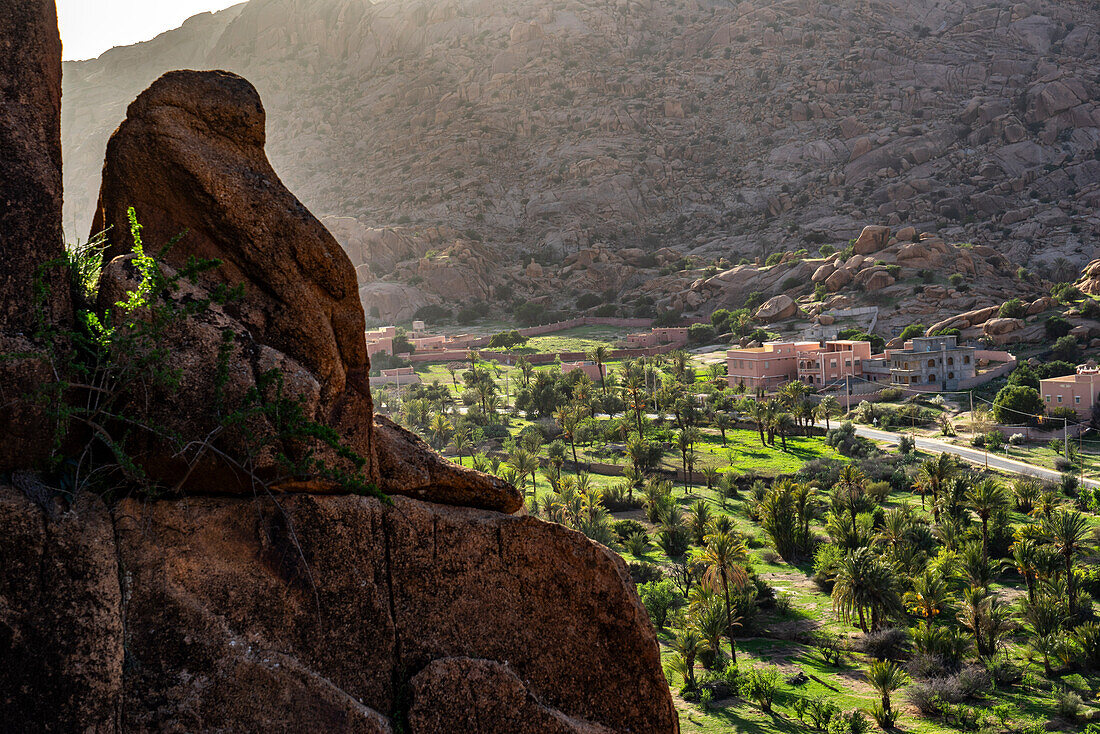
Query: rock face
column 189, row 159
column 61, row 646
column 30, row 156
column 30, row 218
column 328, row 612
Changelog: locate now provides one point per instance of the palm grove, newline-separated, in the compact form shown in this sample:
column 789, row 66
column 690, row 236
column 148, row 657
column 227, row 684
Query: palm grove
column 922, row 557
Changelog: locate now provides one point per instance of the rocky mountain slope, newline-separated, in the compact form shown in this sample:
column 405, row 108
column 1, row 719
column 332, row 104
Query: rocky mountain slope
column 723, row 130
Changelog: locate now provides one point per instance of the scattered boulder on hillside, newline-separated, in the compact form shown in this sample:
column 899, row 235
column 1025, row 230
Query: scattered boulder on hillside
column 776, row 308
column 872, row 239
column 1090, row 279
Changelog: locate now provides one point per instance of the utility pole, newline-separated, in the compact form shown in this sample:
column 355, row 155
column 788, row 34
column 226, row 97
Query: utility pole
column 847, row 393
column 971, row 411
column 1065, row 434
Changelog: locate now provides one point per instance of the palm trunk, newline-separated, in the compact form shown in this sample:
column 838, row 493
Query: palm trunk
column 862, row 621
column 729, row 618
column 1069, row 581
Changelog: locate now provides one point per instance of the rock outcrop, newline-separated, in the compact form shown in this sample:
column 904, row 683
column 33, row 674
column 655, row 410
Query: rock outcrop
column 30, row 220
column 333, row 612
column 189, row 159
column 299, row 611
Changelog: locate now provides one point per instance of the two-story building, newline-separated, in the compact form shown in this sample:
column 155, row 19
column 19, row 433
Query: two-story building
column 931, row 363
column 1079, row 391
column 833, row 362
column 768, row 366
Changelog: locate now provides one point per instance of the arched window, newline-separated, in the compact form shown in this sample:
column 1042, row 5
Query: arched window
column 931, row 363
column 950, row 360
column 951, row 375
column 931, row 379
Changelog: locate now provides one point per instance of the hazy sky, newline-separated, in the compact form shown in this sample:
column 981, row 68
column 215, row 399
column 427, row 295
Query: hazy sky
column 90, row 27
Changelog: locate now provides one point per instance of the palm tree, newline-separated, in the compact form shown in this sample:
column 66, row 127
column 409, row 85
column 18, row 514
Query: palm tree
column 929, row 596
column 525, row 369
column 634, row 387
column 828, row 407
column 850, row 488
column 771, row 410
column 985, row 617
column 886, row 677
column 755, row 410
column 441, row 430
column 723, row 422
column 685, row 442
column 725, row 555
column 866, row 583
column 984, row 499
column 1066, row 530
column 1025, row 559
column 569, row 419
column 525, row 464
column 599, row 356
column 460, row 441
column 932, row 476
column 784, row 423
column 699, row 521
column 708, row 616
column 689, row 644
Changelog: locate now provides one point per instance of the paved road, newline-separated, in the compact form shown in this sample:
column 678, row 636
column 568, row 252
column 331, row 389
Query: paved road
column 974, row 456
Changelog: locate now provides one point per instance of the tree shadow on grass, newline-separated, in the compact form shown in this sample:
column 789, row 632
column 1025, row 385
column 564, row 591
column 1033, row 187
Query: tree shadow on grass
column 743, row 717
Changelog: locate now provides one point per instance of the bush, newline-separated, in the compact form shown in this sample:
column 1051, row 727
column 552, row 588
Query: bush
column 660, row 598
column 1016, row 404
column 625, row 528
column 891, row 643
column 826, row 562
column 911, row 331
column 588, row 300
column 1013, row 309
column 1065, row 348
column 506, row 339
column 432, row 314
column 885, row 719
column 955, row 279
column 761, row 685
column 701, row 333
column 928, row 696
column 1067, row 705
column 1056, row 326
column 973, row 681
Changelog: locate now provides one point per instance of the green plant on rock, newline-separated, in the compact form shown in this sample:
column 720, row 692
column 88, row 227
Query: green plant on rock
column 113, row 360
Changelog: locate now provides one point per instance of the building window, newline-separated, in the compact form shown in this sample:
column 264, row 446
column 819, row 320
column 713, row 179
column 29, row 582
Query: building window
column 766, row 364
column 1077, row 399
column 951, row 375
column 966, row 359
column 1059, row 398
column 1047, row 397
column 931, row 363
column 950, row 360
column 931, row 379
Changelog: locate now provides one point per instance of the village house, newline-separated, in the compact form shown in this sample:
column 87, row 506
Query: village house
column 1079, row 391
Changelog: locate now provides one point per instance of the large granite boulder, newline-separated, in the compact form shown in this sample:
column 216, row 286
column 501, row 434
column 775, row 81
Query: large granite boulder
column 776, row 308
column 189, row 159
column 329, row 607
column 30, row 222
